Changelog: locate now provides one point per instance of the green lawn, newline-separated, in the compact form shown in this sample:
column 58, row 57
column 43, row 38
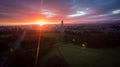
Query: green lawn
column 86, row 57
column 43, row 61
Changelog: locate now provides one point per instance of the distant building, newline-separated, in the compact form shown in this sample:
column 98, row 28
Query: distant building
column 62, row 27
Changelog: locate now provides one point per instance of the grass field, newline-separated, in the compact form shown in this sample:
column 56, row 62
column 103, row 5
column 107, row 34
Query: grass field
column 77, row 56
column 85, row 57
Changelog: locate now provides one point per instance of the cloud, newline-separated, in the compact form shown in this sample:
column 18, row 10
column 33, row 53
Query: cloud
column 116, row 11
column 77, row 14
column 48, row 13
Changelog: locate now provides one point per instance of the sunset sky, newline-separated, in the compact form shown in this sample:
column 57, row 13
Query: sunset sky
column 53, row 11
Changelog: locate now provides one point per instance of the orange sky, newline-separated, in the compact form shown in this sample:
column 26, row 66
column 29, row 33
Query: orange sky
column 53, row 11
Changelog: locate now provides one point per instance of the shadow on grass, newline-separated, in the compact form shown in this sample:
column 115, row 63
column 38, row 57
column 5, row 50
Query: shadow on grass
column 56, row 61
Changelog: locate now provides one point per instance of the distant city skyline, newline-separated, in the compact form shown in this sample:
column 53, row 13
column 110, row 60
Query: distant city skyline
column 53, row 11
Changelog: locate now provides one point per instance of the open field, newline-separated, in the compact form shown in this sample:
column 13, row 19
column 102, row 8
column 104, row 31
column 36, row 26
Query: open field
column 68, row 49
column 77, row 56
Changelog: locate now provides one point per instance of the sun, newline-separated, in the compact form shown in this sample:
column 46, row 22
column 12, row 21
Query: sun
column 41, row 23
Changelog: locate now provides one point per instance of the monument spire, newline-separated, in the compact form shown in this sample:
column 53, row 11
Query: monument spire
column 62, row 26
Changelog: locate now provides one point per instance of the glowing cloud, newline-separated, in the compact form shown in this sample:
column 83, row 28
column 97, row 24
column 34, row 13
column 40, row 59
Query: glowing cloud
column 78, row 13
column 48, row 13
column 102, row 15
column 116, row 11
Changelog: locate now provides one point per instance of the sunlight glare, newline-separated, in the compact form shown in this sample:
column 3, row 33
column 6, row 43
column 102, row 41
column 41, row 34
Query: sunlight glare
column 41, row 23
